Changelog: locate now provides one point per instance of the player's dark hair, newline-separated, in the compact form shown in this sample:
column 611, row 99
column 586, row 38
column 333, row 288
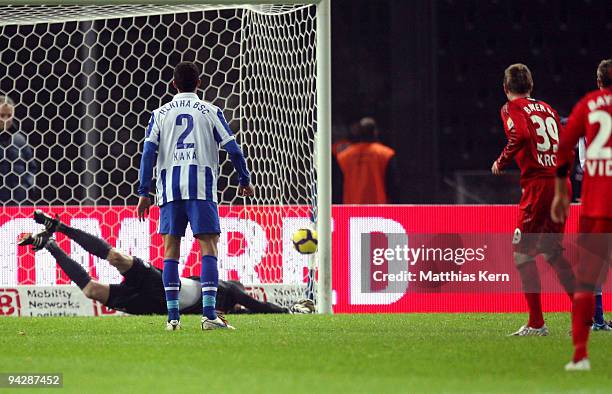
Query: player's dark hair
column 518, row 79
column 186, row 76
column 604, row 73
column 365, row 130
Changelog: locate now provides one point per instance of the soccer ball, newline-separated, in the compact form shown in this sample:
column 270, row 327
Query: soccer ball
column 305, row 241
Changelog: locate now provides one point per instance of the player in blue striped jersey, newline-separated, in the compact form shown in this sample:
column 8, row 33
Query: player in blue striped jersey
column 183, row 139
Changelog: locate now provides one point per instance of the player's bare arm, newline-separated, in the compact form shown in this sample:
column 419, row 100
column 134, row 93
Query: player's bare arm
column 495, row 169
column 559, row 210
column 143, row 208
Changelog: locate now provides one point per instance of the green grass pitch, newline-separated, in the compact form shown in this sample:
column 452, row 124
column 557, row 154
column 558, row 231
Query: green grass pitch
column 310, row 354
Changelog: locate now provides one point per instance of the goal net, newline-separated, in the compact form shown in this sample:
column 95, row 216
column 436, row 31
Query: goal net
column 83, row 81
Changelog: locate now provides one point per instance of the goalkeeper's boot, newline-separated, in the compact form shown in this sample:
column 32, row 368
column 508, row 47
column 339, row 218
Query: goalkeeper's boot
column 601, row 327
column 38, row 241
column 215, row 324
column 173, row 325
column 304, row 306
column 51, row 223
column 582, row 365
column 527, row 331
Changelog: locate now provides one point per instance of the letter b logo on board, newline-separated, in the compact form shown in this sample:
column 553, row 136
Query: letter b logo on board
column 9, row 302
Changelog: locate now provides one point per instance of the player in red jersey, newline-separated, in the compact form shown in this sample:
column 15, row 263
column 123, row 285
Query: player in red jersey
column 532, row 128
column 592, row 118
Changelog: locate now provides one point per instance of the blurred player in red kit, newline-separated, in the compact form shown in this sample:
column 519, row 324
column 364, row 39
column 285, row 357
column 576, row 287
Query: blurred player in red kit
column 591, row 118
column 532, row 128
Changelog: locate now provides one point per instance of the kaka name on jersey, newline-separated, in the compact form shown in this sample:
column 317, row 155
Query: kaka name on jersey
column 184, row 154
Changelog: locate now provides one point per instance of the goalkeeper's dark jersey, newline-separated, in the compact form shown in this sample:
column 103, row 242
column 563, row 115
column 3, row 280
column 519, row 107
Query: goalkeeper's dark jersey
column 142, row 293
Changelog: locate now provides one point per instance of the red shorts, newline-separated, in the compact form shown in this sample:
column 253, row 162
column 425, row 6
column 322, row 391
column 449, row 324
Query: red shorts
column 595, row 225
column 534, row 219
column 595, row 247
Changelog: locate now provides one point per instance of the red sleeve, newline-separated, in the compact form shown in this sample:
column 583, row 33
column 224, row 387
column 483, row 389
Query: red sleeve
column 575, row 128
column 516, row 130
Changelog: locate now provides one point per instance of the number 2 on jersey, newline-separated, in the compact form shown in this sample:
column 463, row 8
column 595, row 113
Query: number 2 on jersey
column 181, row 141
column 597, row 148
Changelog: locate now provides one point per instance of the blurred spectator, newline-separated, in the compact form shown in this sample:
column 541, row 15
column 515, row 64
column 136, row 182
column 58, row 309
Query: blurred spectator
column 369, row 168
column 17, row 165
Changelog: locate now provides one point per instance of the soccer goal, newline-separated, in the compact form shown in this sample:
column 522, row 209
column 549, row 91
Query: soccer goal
column 84, row 80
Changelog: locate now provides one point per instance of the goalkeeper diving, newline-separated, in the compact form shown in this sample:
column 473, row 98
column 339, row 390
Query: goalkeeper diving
column 142, row 291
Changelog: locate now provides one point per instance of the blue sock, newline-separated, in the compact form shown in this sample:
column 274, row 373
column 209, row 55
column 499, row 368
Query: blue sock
column 172, row 282
column 599, row 314
column 210, row 280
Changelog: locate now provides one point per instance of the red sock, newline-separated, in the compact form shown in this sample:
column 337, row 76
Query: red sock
column 534, row 303
column 582, row 317
column 530, row 278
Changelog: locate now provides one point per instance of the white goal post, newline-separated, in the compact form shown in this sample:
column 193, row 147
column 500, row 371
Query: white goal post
column 84, row 79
